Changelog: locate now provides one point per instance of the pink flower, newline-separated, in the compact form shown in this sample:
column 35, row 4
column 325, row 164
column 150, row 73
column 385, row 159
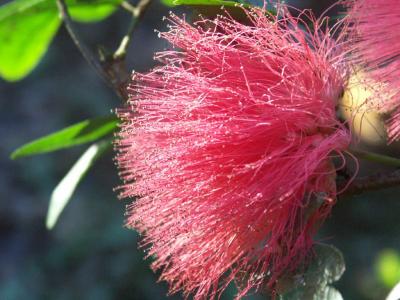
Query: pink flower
column 377, row 48
column 228, row 145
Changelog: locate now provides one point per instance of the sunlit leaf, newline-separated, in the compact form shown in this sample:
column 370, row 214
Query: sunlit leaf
column 80, row 133
column 27, row 27
column 25, row 34
column 91, row 10
column 64, row 190
column 394, row 293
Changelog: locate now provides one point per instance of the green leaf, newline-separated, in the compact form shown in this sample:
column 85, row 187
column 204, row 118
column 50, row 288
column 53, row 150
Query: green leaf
column 91, row 10
column 80, row 133
column 25, row 34
column 63, row 192
column 27, row 28
column 314, row 284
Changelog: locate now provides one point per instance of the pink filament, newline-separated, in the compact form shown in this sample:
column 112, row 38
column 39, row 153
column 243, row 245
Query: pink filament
column 227, row 144
column 377, row 48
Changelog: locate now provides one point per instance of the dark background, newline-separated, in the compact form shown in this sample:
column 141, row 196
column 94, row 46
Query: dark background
column 89, row 254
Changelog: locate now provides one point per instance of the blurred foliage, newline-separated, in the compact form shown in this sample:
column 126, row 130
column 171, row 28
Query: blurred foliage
column 388, row 267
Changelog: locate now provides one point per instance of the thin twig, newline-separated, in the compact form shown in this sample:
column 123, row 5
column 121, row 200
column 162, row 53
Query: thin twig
column 127, row 6
column 137, row 13
column 86, row 53
column 373, row 182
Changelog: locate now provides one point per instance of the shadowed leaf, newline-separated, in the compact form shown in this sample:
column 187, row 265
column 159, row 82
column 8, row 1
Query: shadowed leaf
column 326, row 267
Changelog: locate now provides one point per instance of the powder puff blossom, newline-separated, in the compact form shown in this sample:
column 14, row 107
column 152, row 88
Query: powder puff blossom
column 377, row 48
column 228, row 145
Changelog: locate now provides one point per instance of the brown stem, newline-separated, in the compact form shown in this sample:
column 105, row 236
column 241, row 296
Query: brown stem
column 112, row 69
column 115, row 64
column 372, row 182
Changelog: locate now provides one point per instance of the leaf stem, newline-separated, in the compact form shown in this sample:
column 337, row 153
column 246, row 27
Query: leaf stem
column 137, row 14
column 127, row 6
column 375, row 157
